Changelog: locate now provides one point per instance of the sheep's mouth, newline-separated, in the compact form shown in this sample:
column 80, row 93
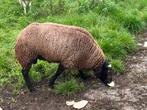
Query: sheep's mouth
column 107, row 82
column 111, row 84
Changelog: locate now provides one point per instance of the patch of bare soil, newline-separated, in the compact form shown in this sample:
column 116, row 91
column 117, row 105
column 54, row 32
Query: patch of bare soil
column 130, row 92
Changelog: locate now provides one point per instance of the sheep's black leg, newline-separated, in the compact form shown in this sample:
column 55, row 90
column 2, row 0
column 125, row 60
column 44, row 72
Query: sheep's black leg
column 53, row 78
column 26, row 77
column 82, row 75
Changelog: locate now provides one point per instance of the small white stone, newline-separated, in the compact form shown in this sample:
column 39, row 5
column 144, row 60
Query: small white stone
column 80, row 104
column 112, row 84
column 69, row 103
column 1, row 108
column 145, row 44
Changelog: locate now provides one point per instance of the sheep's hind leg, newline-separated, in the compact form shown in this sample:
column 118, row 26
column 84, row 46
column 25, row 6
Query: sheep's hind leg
column 53, row 78
column 82, row 75
column 25, row 73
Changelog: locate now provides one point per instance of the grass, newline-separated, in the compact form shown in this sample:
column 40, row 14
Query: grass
column 117, row 66
column 113, row 24
column 69, row 87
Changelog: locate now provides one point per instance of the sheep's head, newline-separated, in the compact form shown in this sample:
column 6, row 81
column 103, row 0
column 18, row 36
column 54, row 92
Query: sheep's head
column 105, row 74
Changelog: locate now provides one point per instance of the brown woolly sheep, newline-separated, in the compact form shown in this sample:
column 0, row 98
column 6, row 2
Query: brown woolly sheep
column 72, row 47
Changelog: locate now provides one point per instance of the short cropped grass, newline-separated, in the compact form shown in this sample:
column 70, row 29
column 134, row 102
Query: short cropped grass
column 113, row 24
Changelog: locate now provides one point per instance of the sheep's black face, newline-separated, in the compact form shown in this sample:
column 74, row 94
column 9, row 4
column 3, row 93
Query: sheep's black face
column 105, row 74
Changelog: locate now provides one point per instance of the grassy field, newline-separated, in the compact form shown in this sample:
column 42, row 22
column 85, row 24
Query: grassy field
column 113, row 23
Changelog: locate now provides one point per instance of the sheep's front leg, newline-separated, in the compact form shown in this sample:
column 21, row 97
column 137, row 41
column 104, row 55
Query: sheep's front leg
column 82, row 75
column 26, row 77
column 53, row 78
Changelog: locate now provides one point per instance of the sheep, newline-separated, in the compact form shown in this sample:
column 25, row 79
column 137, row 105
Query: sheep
column 25, row 4
column 70, row 46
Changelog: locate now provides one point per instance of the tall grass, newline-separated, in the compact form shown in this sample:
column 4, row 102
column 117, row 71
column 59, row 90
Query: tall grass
column 113, row 24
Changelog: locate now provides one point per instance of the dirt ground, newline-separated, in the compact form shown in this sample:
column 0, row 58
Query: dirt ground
column 130, row 92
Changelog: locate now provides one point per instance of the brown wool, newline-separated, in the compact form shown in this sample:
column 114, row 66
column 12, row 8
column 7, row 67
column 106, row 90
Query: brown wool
column 73, row 47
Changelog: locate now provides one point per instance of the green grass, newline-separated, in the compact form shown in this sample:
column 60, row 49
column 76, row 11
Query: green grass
column 117, row 66
column 68, row 87
column 113, row 24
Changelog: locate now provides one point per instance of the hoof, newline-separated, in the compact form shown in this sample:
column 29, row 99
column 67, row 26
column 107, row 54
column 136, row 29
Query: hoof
column 31, row 89
column 51, row 85
column 84, row 77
